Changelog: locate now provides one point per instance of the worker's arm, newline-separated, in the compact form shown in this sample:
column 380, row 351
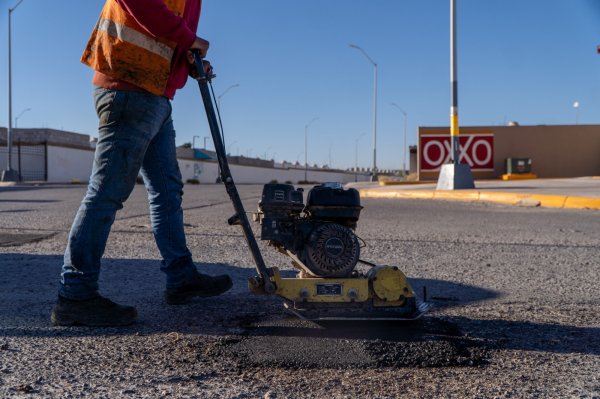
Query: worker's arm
column 156, row 18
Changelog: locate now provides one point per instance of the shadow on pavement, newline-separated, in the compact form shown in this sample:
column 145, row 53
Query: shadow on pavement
column 35, row 187
column 28, row 286
column 531, row 336
column 21, row 201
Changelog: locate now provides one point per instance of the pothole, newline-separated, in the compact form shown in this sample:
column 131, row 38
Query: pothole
column 296, row 344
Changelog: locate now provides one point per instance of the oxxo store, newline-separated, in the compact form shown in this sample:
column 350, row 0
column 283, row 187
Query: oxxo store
column 555, row 151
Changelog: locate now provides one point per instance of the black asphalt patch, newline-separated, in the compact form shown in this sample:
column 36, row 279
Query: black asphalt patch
column 16, row 239
column 296, row 344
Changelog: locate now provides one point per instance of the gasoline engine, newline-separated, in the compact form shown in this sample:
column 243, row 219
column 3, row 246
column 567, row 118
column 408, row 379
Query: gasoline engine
column 319, row 237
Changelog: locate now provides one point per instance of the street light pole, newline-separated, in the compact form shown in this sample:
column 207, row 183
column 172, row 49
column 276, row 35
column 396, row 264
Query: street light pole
column 225, row 92
column 356, row 156
column 306, row 147
column 454, row 175
column 18, row 116
column 404, row 147
column 229, row 146
column 454, row 129
column 9, row 174
column 219, row 110
column 576, row 106
column 194, row 142
column 374, row 172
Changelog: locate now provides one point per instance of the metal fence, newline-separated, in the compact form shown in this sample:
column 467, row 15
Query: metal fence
column 30, row 160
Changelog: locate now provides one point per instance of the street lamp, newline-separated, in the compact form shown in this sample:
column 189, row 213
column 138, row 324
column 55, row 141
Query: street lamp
column 18, row 116
column 225, row 92
column 576, row 106
column 219, row 106
column 9, row 174
column 373, row 176
column 306, row 147
column 454, row 175
column 194, row 141
column 404, row 147
column 229, row 146
column 266, row 152
column 356, row 157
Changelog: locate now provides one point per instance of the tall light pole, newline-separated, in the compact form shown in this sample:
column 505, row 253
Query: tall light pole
column 356, row 156
column 454, row 127
column 194, row 142
column 18, row 116
column 404, row 146
column 219, row 110
column 576, row 106
column 225, row 92
column 266, row 152
column 455, row 175
column 229, row 146
column 306, row 147
column 9, row 174
column 373, row 176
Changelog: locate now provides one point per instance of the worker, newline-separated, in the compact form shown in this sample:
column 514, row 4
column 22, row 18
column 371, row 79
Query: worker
column 141, row 53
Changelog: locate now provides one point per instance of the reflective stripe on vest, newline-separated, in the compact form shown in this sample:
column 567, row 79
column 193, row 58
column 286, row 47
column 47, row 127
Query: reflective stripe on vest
column 120, row 48
column 134, row 37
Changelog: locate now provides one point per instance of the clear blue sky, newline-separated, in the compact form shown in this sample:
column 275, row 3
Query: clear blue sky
column 524, row 61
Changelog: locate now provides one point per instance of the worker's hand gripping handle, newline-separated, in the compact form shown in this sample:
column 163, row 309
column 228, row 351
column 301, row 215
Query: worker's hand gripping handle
column 200, row 72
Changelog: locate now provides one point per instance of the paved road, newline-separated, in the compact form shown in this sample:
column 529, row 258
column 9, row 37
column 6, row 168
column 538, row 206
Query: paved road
column 517, row 307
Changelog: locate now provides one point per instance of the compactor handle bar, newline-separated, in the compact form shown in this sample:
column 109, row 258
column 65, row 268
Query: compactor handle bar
column 264, row 280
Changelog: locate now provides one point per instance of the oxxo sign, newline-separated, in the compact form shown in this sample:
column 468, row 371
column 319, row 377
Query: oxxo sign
column 476, row 149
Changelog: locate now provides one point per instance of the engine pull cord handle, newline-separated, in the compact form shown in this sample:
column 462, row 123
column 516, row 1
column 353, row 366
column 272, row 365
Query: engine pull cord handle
column 241, row 216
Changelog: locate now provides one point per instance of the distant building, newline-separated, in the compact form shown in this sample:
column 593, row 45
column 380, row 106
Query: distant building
column 555, row 150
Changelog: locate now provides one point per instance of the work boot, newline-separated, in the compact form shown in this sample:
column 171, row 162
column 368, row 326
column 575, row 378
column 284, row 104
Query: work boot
column 202, row 285
column 95, row 312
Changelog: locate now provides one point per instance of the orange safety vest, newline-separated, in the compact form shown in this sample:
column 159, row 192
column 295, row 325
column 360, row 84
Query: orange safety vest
column 120, row 48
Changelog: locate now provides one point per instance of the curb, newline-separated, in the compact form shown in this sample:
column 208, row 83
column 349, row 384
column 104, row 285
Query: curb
column 400, row 183
column 543, row 200
column 517, row 176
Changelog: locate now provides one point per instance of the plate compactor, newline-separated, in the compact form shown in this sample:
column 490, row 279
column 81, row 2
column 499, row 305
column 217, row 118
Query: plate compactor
column 319, row 238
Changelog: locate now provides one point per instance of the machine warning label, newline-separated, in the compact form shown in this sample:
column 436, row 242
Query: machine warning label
column 329, row 289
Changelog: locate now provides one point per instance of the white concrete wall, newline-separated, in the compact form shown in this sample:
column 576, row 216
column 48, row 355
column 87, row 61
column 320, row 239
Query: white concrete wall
column 207, row 172
column 69, row 164
column 4, row 158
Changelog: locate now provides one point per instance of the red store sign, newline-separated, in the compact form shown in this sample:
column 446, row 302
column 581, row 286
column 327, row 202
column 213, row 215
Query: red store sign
column 476, row 149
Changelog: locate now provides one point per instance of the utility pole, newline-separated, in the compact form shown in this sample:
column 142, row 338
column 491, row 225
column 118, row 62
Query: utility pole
column 10, row 175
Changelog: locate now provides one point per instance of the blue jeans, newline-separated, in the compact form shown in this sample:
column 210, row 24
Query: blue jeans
column 135, row 134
